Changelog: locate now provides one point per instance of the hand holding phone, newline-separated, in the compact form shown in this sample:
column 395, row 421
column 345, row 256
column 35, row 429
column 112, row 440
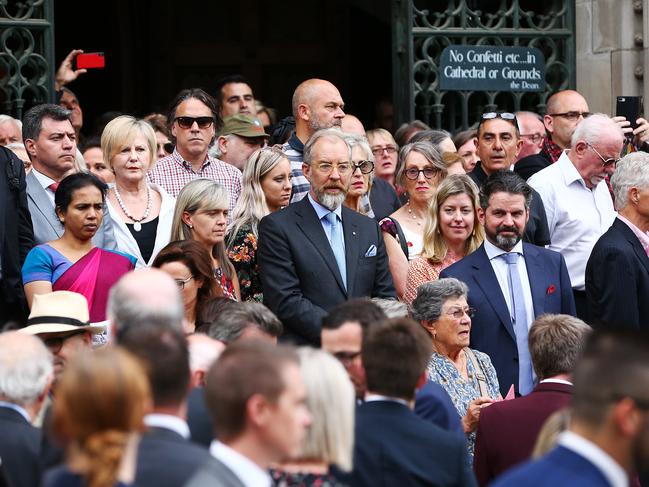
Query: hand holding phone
column 91, row 60
column 629, row 107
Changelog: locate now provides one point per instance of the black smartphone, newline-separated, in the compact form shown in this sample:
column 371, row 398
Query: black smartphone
column 629, row 107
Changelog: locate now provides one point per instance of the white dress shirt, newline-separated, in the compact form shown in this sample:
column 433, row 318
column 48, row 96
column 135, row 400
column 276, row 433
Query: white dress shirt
column 615, row 474
column 250, row 474
column 577, row 216
column 167, row 421
column 45, row 182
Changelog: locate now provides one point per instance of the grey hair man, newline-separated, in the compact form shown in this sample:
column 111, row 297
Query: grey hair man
column 26, row 374
column 240, row 136
column 241, row 321
column 532, row 133
column 10, row 130
column 556, row 343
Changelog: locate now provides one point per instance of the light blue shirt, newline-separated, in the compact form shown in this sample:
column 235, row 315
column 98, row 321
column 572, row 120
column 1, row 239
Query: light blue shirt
column 321, row 211
column 17, row 408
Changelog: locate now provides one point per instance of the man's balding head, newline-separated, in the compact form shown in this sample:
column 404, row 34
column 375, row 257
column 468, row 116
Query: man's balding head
column 317, row 104
column 352, row 125
column 564, row 113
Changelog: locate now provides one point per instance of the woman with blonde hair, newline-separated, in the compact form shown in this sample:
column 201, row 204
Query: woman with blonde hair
column 100, row 404
column 452, row 231
column 360, row 184
column 266, row 187
column 201, row 214
column 386, row 153
column 141, row 212
column 330, row 438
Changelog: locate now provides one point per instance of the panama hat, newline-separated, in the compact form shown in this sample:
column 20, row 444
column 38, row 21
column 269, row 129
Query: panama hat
column 60, row 311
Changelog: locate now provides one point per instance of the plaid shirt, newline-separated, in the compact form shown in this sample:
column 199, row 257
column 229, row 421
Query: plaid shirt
column 294, row 149
column 550, row 149
column 172, row 173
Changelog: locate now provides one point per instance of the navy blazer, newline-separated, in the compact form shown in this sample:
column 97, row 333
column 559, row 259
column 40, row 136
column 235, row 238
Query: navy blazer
column 20, row 446
column 394, row 447
column 491, row 328
column 561, row 467
column 299, row 273
column 433, row 404
column 507, row 430
column 617, row 279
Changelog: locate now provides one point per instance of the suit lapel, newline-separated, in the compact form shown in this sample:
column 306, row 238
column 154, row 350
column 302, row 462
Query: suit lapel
column 536, row 276
column 309, row 224
column 628, row 234
column 485, row 277
column 41, row 201
column 350, row 231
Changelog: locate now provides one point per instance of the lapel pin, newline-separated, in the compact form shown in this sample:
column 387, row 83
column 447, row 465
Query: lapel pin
column 353, row 233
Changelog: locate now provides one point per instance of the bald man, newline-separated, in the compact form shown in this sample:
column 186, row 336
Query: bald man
column 532, row 133
column 317, row 104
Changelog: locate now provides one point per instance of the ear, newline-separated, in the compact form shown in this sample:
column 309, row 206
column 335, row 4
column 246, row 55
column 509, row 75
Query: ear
column 628, row 419
column 306, row 170
column 222, row 144
column 197, row 379
column 519, row 146
column 428, row 326
column 173, row 129
column 632, row 196
column 548, row 121
column 303, row 112
column 30, row 147
column 481, row 215
column 60, row 214
column 258, row 410
column 187, row 219
column 477, row 148
column 580, row 147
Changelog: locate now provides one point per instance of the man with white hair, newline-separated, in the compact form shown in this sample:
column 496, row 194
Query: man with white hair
column 577, row 202
column 25, row 379
column 10, row 130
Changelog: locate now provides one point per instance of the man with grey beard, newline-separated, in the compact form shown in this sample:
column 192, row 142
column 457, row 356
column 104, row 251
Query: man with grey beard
column 316, row 253
column 511, row 283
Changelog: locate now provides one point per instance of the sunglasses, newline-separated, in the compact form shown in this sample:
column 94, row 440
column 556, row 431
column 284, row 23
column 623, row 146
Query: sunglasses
column 188, row 122
column 507, row 116
column 366, row 167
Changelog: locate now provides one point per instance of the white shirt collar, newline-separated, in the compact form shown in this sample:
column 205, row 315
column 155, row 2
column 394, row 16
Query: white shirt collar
column 250, row 474
column 378, row 397
column 614, row 473
column 493, row 251
column 322, row 211
column 556, row 381
column 44, row 180
column 19, row 409
column 167, row 421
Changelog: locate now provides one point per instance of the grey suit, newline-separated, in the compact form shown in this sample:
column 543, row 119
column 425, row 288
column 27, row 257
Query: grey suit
column 47, row 226
column 214, row 473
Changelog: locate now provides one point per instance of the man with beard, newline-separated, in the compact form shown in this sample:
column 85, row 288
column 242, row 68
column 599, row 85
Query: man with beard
column 317, row 253
column 317, row 105
column 510, row 282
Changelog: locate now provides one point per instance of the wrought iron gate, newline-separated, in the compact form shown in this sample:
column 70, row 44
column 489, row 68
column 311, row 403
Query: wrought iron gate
column 421, row 29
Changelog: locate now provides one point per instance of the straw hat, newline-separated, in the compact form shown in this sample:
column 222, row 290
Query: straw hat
column 60, row 311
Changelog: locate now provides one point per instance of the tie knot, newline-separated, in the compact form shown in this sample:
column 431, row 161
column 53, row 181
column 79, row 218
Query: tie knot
column 510, row 257
column 332, row 218
column 53, row 187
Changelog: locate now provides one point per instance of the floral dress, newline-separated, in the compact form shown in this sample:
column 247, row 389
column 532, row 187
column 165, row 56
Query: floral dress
column 421, row 270
column 284, row 479
column 243, row 255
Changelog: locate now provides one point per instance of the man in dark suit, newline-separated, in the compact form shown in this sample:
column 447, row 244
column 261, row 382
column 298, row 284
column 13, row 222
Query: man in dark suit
column 617, row 272
column 16, row 237
column 317, row 253
column 507, row 291
column 51, row 145
column 165, row 456
column 393, row 446
column 605, row 443
column 25, row 378
column 507, row 430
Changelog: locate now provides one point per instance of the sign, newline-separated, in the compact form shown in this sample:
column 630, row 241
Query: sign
column 492, row 68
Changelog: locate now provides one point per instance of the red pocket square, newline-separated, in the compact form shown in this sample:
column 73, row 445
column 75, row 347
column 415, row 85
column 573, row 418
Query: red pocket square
column 551, row 289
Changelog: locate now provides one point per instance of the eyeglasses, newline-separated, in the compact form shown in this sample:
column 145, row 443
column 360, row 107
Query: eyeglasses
column 458, row 313
column 533, row 137
column 168, row 147
column 55, row 343
column 188, row 122
column 507, row 116
column 572, row 116
column 390, row 149
column 413, row 173
column 366, row 167
column 181, row 282
column 327, row 168
column 605, row 162
column 346, row 358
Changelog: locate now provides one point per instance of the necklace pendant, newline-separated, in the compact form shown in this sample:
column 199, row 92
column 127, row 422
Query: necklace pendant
column 137, row 227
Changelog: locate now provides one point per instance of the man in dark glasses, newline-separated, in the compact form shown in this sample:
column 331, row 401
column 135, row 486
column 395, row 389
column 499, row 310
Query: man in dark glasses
column 193, row 120
column 497, row 146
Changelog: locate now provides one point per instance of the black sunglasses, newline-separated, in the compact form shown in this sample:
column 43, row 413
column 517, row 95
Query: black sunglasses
column 507, row 116
column 188, row 122
column 168, row 147
column 366, row 167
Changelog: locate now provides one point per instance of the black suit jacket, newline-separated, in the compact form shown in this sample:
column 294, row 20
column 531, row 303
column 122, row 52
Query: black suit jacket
column 617, row 279
column 166, row 459
column 198, row 418
column 20, row 445
column 299, row 274
column 528, row 166
column 394, row 447
column 383, row 199
column 16, row 235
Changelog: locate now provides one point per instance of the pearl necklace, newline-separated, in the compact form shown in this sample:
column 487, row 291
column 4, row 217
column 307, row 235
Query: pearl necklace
column 415, row 218
column 138, row 225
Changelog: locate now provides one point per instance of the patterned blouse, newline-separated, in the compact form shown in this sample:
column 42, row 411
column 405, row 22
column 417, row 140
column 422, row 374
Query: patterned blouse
column 442, row 370
column 226, row 284
column 243, row 255
column 284, row 479
column 421, row 270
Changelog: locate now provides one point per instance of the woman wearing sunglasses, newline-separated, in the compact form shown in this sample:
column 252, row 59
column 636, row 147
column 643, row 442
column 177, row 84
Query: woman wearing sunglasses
column 362, row 175
column 266, row 188
column 142, row 213
column 419, row 172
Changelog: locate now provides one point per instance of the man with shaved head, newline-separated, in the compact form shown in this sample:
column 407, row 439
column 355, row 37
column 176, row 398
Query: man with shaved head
column 317, row 104
column 532, row 133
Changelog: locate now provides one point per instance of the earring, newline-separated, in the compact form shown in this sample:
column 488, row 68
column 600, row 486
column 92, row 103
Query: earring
column 191, row 226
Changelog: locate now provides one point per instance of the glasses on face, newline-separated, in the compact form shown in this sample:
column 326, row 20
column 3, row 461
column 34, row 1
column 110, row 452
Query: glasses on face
column 188, row 122
column 55, row 343
column 346, row 358
column 366, row 167
column 168, row 147
column 181, row 282
column 572, row 116
column 327, row 168
column 458, row 313
column 611, row 161
column 532, row 137
column 507, row 116
column 390, row 149
column 413, row 173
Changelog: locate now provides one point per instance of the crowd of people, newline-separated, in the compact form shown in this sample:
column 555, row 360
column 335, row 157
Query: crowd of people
column 214, row 297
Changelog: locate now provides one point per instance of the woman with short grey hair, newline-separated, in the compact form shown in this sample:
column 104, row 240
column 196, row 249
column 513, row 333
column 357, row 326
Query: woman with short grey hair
column 468, row 376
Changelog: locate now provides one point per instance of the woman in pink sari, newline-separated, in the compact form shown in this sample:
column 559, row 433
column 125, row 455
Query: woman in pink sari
column 72, row 262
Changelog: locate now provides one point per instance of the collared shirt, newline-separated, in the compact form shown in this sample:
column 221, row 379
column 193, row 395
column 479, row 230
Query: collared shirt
column 613, row 472
column 45, row 182
column 551, row 150
column 577, row 215
column 501, row 270
column 322, row 212
column 19, row 409
column 294, row 150
column 172, row 173
column 379, row 397
column 250, row 474
column 642, row 236
column 556, row 381
column 167, row 421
